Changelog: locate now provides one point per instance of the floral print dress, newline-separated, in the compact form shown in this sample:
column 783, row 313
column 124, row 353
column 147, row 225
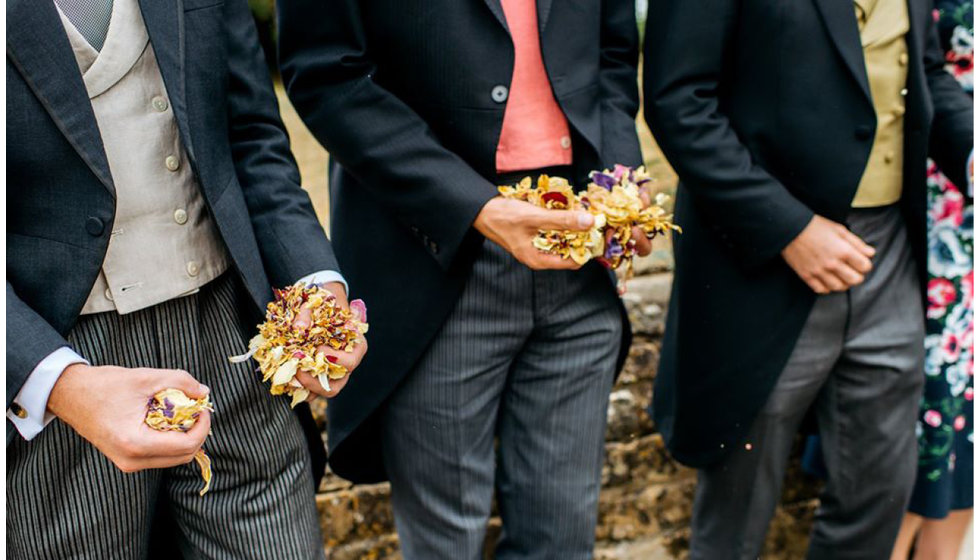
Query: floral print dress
column 945, row 425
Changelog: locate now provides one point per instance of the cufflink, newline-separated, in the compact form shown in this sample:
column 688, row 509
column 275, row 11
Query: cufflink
column 18, row 411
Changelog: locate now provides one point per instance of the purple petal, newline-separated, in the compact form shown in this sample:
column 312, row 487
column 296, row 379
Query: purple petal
column 605, row 181
column 613, row 249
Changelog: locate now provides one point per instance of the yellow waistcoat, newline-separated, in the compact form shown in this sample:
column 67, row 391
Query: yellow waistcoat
column 883, row 25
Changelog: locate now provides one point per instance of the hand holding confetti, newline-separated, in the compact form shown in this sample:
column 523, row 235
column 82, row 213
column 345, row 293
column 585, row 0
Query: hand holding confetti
column 172, row 410
column 620, row 205
column 306, row 329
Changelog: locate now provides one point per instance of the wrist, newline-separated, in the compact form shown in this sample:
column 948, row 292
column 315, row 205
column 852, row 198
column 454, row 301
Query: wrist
column 64, row 389
column 486, row 216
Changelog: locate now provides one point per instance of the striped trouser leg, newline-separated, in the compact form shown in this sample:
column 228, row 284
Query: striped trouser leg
column 525, row 359
column 261, row 502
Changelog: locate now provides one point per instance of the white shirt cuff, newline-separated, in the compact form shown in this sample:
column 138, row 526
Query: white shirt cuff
column 33, row 396
column 325, row 277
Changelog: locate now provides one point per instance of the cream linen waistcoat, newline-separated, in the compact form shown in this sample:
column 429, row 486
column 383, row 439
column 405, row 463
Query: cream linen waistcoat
column 164, row 243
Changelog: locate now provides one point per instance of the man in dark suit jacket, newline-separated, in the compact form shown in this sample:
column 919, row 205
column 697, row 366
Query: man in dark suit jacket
column 799, row 132
column 473, row 338
column 152, row 204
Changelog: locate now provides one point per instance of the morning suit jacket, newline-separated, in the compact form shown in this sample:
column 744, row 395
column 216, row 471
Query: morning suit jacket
column 408, row 97
column 763, row 108
column 60, row 195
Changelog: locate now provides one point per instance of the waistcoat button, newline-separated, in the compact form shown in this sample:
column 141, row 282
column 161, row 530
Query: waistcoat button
column 193, row 269
column 172, row 163
column 180, row 216
column 94, row 226
column 159, row 103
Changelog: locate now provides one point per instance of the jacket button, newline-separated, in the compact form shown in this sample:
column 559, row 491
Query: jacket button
column 499, row 93
column 434, row 247
column 862, row 132
column 94, row 226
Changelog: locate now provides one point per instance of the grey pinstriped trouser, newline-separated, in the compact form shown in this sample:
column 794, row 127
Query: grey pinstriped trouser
column 66, row 500
column 526, row 358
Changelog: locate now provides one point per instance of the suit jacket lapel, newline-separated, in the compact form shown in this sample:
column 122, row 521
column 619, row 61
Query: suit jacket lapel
column 498, row 11
column 841, row 24
column 38, row 47
column 164, row 20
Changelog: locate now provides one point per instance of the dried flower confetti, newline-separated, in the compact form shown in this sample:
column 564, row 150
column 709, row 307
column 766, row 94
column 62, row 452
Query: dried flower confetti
column 616, row 195
column 613, row 197
column 556, row 193
column 172, row 410
column 282, row 349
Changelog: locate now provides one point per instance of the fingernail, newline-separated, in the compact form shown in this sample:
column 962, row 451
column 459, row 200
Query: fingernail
column 205, row 389
column 585, row 220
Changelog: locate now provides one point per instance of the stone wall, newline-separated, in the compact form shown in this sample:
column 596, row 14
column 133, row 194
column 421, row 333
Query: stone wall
column 645, row 504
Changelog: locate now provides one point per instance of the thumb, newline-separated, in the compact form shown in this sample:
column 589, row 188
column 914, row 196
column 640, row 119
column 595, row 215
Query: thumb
column 573, row 220
column 179, row 379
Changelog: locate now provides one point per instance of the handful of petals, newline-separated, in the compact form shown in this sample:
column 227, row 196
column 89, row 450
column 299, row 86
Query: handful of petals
column 172, row 410
column 282, row 349
column 556, row 193
column 613, row 197
column 616, row 195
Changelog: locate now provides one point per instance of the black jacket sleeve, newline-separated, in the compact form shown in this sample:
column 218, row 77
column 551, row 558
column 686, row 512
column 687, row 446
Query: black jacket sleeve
column 951, row 136
column 752, row 212
column 618, row 91
column 389, row 148
column 30, row 339
column 290, row 237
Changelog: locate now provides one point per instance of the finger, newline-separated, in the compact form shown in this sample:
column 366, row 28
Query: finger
column 832, row 282
column 303, row 319
column 348, row 360
column 857, row 242
column 858, row 261
column 538, row 260
column 645, row 197
column 643, row 245
column 176, row 379
column 173, row 444
column 817, row 286
column 850, row 276
column 572, row 220
column 336, row 385
column 309, row 382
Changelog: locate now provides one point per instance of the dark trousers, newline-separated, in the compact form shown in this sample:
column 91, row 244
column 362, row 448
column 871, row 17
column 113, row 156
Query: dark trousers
column 859, row 362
